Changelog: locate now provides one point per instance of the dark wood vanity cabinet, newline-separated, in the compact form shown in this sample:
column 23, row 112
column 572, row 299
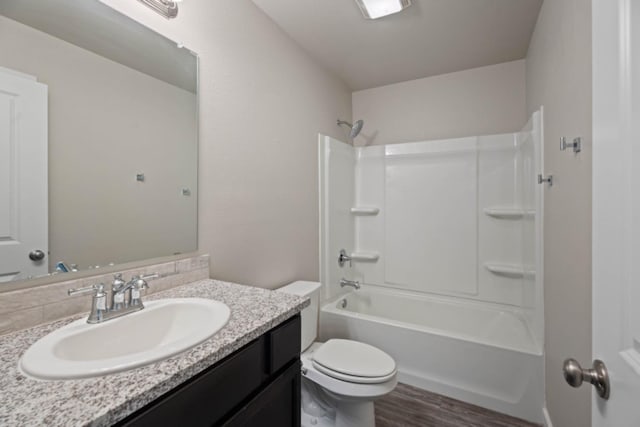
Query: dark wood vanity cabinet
column 258, row 385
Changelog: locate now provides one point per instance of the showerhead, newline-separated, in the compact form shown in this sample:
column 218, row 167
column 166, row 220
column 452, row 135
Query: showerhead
column 355, row 128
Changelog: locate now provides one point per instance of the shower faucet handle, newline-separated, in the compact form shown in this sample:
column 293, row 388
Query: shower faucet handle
column 343, row 257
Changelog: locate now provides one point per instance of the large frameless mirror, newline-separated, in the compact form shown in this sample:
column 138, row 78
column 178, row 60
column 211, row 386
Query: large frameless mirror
column 98, row 140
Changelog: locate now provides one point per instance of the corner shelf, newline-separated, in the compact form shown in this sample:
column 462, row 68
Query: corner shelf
column 365, row 256
column 364, row 211
column 510, row 270
column 509, row 213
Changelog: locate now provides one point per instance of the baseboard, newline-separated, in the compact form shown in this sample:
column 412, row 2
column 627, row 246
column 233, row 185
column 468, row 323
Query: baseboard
column 547, row 418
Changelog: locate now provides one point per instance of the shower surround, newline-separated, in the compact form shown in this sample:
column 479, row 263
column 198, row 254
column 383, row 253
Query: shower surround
column 446, row 238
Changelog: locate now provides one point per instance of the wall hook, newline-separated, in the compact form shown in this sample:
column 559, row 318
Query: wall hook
column 576, row 144
column 548, row 179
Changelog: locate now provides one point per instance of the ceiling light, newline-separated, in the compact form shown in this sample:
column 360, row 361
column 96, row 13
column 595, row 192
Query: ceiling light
column 374, row 9
column 166, row 8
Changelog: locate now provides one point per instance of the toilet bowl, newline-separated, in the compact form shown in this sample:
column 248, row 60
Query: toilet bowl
column 340, row 378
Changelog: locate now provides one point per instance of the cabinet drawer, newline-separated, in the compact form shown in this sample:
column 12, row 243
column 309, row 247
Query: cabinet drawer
column 283, row 344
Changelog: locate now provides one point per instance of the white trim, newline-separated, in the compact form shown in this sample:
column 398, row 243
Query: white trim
column 18, row 74
column 547, row 417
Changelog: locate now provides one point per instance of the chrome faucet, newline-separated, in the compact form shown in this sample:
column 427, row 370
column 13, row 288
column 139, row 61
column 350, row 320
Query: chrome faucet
column 125, row 297
column 134, row 286
column 117, row 295
column 353, row 283
column 99, row 302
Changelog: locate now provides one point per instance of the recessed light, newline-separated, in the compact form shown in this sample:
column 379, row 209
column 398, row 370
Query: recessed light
column 374, row 9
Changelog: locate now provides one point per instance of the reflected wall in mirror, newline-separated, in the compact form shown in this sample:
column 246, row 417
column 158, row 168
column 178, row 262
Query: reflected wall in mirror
column 98, row 139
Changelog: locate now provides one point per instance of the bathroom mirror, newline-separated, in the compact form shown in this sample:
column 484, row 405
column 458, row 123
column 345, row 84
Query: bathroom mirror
column 103, row 112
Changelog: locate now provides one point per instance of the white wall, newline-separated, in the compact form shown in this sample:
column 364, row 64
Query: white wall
column 481, row 101
column 559, row 77
column 105, row 126
column 262, row 103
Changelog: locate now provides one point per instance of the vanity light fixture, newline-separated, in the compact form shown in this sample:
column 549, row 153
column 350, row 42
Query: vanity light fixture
column 374, row 9
column 166, row 8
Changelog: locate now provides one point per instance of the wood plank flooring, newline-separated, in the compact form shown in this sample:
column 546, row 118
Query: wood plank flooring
column 409, row 406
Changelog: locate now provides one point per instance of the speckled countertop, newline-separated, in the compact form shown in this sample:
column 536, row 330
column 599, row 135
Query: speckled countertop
column 105, row 400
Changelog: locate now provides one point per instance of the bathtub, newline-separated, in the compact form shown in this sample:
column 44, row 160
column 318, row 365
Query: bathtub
column 478, row 353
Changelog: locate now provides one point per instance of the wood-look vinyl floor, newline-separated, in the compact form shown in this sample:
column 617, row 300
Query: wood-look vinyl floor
column 409, row 406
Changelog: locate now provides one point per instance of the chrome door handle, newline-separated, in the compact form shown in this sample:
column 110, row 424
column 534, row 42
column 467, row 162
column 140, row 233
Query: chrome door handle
column 598, row 376
column 36, row 255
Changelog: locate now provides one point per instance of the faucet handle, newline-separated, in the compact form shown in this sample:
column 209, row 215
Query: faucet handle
column 99, row 303
column 343, row 257
column 98, row 290
column 118, row 282
column 150, row 276
column 117, row 296
column 139, row 283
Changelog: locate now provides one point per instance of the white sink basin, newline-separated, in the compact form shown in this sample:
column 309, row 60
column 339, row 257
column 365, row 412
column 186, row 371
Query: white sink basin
column 163, row 328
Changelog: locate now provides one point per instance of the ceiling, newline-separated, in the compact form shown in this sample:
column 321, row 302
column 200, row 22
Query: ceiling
column 429, row 38
column 96, row 27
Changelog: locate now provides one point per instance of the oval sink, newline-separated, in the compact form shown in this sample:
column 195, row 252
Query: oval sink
column 162, row 329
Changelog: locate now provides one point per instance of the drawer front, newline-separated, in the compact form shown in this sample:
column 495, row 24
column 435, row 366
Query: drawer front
column 283, row 344
column 210, row 396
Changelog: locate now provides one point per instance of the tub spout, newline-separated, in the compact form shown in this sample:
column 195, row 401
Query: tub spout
column 353, row 283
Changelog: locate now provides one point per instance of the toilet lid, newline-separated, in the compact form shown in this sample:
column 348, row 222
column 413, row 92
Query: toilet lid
column 354, row 361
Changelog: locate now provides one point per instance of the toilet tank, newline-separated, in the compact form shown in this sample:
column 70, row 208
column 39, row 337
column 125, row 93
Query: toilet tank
column 309, row 315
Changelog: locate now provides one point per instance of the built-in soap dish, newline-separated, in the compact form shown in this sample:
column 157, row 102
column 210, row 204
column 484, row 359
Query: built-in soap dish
column 365, row 211
column 510, row 270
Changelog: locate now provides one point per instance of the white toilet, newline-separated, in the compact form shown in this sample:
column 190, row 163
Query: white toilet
column 340, row 378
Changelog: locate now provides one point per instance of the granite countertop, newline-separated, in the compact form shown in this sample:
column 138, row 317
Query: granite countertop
column 105, row 400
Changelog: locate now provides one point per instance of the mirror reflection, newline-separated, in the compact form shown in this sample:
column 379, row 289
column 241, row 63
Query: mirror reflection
column 98, row 139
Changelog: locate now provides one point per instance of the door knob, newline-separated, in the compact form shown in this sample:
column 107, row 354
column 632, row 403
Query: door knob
column 598, row 376
column 36, row 255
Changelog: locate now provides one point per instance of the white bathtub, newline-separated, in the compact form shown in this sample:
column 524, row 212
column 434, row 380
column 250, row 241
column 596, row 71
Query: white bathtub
column 481, row 354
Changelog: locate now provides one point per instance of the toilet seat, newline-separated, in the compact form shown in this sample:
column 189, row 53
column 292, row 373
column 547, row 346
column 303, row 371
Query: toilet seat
column 348, row 389
column 354, row 362
column 352, row 378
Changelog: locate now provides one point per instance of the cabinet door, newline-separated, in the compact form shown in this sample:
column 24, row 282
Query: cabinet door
column 209, row 397
column 277, row 405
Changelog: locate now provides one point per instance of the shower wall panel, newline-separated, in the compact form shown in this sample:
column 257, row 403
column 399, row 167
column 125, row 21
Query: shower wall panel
column 500, row 237
column 370, row 192
column 456, row 217
column 431, row 223
column 337, row 193
column 459, row 217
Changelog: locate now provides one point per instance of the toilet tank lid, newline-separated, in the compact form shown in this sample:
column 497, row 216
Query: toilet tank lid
column 300, row 288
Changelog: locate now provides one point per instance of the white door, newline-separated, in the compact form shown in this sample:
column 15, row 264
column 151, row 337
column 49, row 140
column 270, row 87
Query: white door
column 23, row 176
column 616, row 208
